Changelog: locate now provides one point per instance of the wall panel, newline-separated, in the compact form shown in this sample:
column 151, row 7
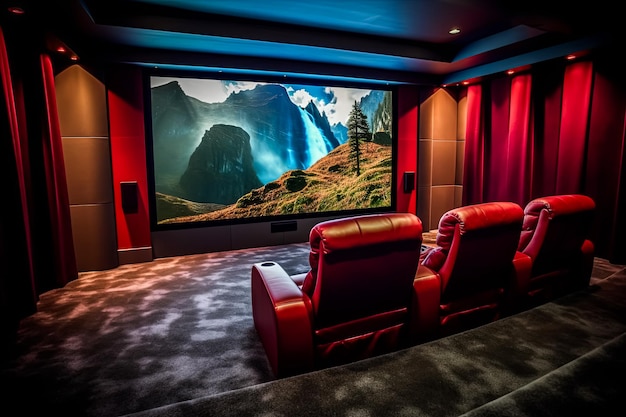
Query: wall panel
column 439, row 152
column 81, row 102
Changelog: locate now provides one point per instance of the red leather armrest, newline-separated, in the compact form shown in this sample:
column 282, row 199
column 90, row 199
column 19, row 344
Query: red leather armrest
column 522, row 265
column 519, row 283
column 424, row 321
column 282, row 320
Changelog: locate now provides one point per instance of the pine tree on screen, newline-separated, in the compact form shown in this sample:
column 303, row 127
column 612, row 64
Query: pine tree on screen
column 358, row 132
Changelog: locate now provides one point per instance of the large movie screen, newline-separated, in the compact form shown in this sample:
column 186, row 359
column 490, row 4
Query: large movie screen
column 236, row 151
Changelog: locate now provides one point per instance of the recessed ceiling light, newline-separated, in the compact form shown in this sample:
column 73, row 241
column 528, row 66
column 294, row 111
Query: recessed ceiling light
column 454, row 31
column 16, row 10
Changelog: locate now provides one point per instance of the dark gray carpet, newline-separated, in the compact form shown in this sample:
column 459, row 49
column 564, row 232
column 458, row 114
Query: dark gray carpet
column 144, row 335
column 175, row 337
column 592, row 385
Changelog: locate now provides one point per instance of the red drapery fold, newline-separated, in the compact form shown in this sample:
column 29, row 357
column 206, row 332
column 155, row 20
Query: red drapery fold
column 497, row 141
column 547, row 92
column 474, row 148
column 574, row 127
column 519, row 152
column 56, row 183
column 18, row 297
column 38, row 248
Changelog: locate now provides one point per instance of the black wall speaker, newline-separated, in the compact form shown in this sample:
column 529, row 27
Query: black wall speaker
column 409, row 181
column 130, row 201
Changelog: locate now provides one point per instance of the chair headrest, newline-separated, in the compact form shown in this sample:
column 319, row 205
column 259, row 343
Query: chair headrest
column 365, row 230
column 560, row 204
column 575, row 212
column 477, row 216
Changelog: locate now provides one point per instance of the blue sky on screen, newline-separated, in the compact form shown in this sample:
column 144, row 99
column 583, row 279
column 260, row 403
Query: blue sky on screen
column 335, row 102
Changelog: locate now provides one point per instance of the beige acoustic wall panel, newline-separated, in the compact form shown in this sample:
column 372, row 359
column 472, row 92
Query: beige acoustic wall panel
column 460, row 160
column 438, row 159
column 88, row 170
column 83, row 118
column 442, row 200
column 438, row 116
column 461, row 135
column 426, row 115
column 458, row 196
column 462, row 118
column 82, row 103
column 95, row 241
column 444, row 162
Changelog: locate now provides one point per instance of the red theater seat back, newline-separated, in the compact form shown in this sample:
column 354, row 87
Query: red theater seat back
column 353, row 303
column 555, row 236
column 476, row 246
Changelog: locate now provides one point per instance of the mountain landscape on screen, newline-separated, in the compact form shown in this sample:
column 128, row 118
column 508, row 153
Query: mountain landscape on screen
column 265, row 151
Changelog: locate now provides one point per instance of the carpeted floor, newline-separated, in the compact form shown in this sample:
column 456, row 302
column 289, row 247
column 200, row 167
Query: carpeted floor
column 175, row 337
column 592, row 385
column 145, row 335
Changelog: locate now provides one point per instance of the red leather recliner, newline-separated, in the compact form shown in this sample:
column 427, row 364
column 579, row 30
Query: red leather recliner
column 354, row 303
column 476, row 262
column 555, row 236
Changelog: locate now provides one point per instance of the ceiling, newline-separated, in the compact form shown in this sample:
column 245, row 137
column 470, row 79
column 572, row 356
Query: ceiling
column 390, row 40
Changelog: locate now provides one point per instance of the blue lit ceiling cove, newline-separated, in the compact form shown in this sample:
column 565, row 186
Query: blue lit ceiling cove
column 155, row 39
column 402, row 41
column 368, row 17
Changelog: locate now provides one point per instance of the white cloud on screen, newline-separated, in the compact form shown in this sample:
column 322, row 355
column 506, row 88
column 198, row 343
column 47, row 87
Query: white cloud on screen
column 344, row 98
column 337, row 109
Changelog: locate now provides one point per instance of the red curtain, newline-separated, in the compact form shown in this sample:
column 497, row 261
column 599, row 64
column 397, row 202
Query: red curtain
column 519, row 142
column 547, row 132
column 605, row 173
column 574, row 126
column 474, row 148
column 56, row 183
column 17, row 284
column 36, row 246
column 498, row 141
